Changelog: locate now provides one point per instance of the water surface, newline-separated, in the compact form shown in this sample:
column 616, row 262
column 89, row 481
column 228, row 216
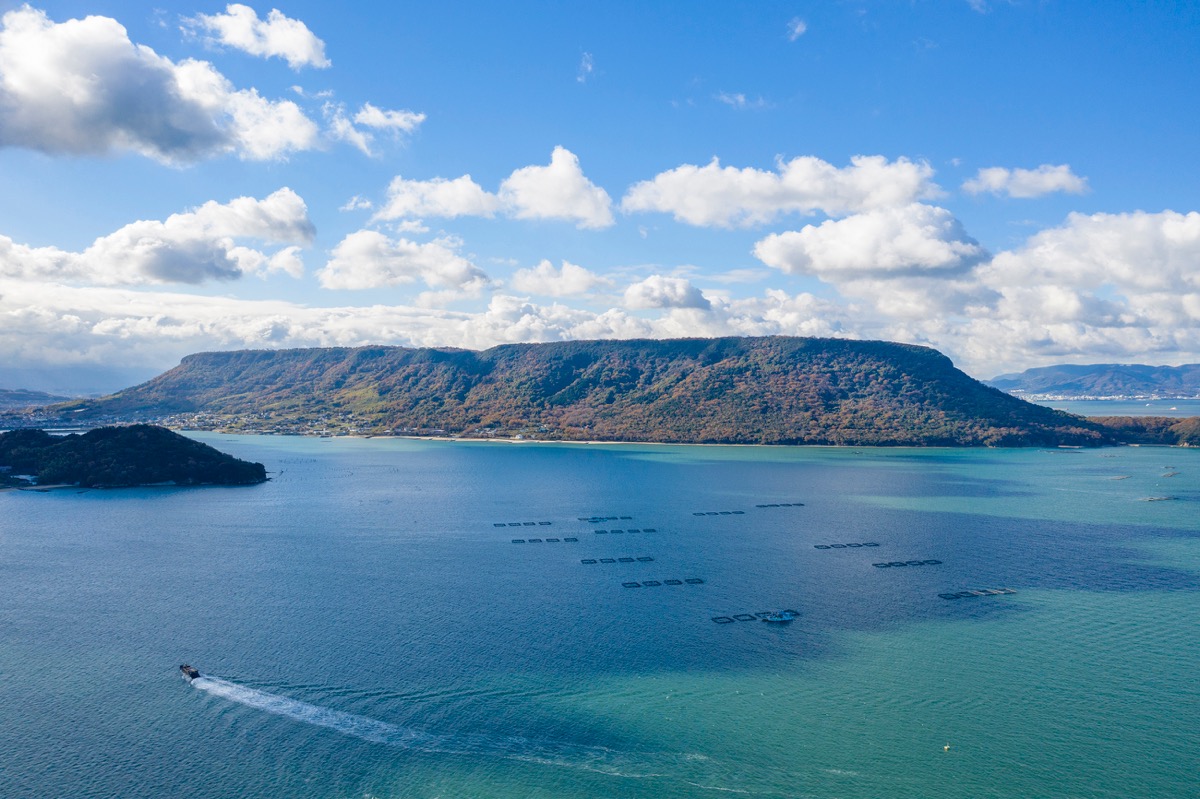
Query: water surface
column 367, row 630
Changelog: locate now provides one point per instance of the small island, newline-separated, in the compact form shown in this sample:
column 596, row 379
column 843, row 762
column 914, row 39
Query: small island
column 112, row 457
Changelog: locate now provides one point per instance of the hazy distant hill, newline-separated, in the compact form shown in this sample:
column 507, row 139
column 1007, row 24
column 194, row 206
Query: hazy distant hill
column 20, row 398
column 1104, row 380
column 775, row 390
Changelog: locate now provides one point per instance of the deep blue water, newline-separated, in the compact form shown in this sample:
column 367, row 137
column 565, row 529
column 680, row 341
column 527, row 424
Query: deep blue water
column 367, row 630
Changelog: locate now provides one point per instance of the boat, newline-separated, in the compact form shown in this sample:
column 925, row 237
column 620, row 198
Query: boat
column 189, row 672
column 780, row 617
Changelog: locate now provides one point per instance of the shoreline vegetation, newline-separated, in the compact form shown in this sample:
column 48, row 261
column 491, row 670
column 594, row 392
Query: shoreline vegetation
column 776, row 390
column 117, row 457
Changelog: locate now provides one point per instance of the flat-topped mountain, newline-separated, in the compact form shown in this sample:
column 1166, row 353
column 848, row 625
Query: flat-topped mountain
column 1101, row 380
column 772, row 390
column 121, row 456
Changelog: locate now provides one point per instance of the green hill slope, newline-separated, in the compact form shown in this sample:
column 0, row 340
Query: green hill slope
column 774, row 390
column 122, row 456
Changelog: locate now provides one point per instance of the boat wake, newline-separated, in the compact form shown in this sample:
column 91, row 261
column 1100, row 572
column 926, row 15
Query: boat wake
column 345, row 723
column 592, row 758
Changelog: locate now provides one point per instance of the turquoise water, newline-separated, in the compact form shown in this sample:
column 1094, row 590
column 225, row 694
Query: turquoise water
column 365, row 629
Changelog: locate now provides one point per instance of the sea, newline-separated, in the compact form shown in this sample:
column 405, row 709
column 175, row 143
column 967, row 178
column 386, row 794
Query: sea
column 392, row 618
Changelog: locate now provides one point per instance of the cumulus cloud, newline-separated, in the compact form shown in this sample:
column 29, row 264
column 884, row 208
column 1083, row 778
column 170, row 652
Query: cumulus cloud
column 557, row 191
column 192, row 247
column 1024, row 183
column 571, row 280
column 368, row 259
column 713, row 195
column 906, row 240
column 276, row 36
column 660, row 291
column 1134, row 252
column 438, row 198
column 82, row 87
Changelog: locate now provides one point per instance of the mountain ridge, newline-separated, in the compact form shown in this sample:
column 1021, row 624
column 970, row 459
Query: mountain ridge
column 766, row 390
column 1103, row 380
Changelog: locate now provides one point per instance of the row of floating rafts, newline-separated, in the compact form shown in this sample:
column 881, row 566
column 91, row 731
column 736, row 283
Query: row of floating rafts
column 520, row 524
column 547, row 540
column 594, row 519
column 898, row 563
column 774, row 616
column 642, row 559
column 718, row 513
column 976, row 592
column 630, row 530
column 845, row 546
column 654, row 583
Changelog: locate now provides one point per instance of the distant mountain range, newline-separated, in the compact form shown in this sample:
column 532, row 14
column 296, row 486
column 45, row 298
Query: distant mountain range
column 773, row 390
column 20, row 398
column 1103, row 380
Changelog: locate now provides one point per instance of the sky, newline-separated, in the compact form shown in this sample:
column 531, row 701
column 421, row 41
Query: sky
column 1012, row 182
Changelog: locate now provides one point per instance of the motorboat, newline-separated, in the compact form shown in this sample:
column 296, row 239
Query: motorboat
column 189, row 672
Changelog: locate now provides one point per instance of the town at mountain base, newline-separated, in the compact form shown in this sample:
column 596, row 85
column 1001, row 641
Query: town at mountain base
column 767, row 390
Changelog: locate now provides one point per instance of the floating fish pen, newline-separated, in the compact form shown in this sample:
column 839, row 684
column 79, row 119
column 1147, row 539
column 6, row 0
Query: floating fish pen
column 782, row 505
column 630, row 530
column 547, row 540
column 718, row 512
column 977, row 592
column 642, row 559
column 656, row 583
column 595, row 519
column 762, row 614
column 845, row 546
column 897, row 563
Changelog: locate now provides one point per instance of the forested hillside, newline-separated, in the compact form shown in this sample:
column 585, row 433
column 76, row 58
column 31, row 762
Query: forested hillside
column 773, row 390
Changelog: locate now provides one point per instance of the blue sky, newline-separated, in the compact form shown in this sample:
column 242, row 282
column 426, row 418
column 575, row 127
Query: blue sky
column 1013, row 183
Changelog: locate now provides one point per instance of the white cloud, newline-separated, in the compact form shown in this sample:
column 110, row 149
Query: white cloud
column 368, row 259
column 1135, row 252
column 439, row 198
column 557, row 191
column 1023, row 183
column 796, row 28
column 357, row 203
column 907, row 240
column 279, row 36
column 82, row 87
column 659, row 291
column 192, row 247
column 713, row 195
column 394, row 121
column 545, row 280
column 587, row 66
column 341, row 128
column 740, row 101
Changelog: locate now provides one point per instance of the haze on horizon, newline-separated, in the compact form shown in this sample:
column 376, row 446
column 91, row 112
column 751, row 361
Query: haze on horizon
column 1010, row 182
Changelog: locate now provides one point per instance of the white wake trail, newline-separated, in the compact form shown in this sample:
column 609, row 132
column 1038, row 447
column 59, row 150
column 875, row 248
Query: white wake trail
column 592, row 758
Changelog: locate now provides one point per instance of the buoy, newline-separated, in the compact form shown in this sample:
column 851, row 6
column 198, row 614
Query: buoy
column 946, row 748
